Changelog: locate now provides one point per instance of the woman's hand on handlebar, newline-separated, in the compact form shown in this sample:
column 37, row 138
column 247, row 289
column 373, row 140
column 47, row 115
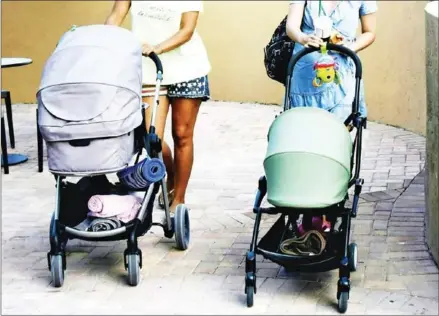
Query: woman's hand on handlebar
column 311, row 40
column 148, row 49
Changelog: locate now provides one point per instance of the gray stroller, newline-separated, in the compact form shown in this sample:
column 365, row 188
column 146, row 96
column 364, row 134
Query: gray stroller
column 90, row 115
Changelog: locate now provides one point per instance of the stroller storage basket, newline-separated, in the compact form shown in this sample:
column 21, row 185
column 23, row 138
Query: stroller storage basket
column 269, row 245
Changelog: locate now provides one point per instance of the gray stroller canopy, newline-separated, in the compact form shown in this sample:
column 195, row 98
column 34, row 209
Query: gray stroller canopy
column 91, row 85
column 101, row 54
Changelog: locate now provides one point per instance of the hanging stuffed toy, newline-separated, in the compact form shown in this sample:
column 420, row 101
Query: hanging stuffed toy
column 326, row 70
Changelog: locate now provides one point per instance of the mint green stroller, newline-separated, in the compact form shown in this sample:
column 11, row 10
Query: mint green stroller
column 308, row 171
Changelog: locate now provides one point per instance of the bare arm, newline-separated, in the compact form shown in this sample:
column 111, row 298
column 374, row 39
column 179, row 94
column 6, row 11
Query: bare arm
column 184, row 34
column 119, row 12
column 294, row 21
column 368, row 29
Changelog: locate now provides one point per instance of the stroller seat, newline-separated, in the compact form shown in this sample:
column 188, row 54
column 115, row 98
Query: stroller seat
column 308, row 159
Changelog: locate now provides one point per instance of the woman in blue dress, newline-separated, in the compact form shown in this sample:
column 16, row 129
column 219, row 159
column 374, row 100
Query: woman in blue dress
column 335, row 98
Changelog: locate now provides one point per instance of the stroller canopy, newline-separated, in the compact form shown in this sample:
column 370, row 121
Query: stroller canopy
column 307, row 164
column 103, row 54
column 91, row 84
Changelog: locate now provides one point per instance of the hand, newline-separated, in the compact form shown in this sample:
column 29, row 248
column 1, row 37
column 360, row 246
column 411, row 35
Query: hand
column 148, row 49
column 312, row 40
column 336, row 38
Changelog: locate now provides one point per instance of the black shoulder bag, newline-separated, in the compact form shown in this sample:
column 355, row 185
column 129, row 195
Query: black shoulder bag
column 277, row 53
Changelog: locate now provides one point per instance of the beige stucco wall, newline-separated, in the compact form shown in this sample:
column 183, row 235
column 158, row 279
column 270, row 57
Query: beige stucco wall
column 432, row 161
column 235, row 33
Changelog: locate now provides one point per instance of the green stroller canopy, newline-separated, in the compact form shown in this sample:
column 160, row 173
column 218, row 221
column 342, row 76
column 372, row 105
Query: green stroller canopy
column 308, row 160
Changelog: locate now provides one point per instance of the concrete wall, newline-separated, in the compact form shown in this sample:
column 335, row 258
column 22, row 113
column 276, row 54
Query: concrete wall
column 235, row 33
column 432, row 179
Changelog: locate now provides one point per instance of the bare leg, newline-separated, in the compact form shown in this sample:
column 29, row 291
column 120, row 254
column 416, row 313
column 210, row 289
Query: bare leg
column 184, row 116
column 162, row 112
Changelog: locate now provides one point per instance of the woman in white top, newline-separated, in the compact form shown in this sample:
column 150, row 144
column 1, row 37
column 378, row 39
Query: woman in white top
column 168, row 28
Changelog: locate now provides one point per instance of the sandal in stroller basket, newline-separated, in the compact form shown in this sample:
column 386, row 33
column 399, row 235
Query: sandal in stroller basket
column 90, row 115
column 308, row 171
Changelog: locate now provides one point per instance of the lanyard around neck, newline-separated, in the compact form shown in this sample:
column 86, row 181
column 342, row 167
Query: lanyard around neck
column 321, row 7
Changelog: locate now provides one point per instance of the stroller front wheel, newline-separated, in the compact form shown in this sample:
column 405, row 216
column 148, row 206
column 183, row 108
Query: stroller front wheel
column 133, row 269
column 343, row 302
column 250, row 290
column 57, row 270
column 182, row 227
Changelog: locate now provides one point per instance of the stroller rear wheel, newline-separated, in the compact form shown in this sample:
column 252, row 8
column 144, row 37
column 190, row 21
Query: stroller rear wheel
column 57, row 270
column 182, row 227
column 353, row 257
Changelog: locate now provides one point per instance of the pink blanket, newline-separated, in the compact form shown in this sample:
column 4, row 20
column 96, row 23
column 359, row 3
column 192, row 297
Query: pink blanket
column 122, row 207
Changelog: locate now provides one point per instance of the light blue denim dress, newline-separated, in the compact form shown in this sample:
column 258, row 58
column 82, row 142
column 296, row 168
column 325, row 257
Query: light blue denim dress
column 331, row 97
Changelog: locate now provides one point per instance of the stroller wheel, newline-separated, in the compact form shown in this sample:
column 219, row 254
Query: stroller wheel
column 353, row 257
column 250, row 290
column 182, row 227
column 57, row 270
column 343, row 302
column 133, row 269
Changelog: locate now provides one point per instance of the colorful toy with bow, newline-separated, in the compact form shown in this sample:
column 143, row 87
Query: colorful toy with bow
column 326, row 69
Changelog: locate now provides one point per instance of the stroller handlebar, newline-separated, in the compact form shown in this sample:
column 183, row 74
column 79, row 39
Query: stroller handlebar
column 156, row 60
column 330, row 47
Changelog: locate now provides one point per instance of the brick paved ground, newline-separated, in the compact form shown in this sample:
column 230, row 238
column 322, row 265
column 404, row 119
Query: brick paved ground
column 395, row 274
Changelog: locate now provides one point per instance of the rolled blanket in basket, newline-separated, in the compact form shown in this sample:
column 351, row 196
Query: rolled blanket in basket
column 98, row 224
column 142, row 174
column 122, row 207
column 312, row 243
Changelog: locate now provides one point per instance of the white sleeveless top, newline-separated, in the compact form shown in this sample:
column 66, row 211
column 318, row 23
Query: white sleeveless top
column 155, row 21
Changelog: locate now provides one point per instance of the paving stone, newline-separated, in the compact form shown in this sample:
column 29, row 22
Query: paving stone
column 206, row 267
column 379, row 247
column 382, row 215
column 407, row 224
column 268, row 272
column 413, row 266
column 407, row 248
column 416, row 233
column 374, row 274
column 386, row 285
column 230, row 271
column 366, row 209
column 384, row 206
column 380, row 225
column 408, row 240
column 426, row 289
column 420, row 306
column 362, row 227
column 415, row 277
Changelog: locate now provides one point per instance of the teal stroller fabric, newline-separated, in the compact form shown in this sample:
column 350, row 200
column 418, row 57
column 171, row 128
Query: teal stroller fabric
column 308, row 159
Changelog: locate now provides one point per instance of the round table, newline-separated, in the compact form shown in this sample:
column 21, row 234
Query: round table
column 8, row 62
column 15, row 159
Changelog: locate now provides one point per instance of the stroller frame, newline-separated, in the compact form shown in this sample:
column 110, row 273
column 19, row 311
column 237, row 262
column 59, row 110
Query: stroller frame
column 177, row 225
column 342, row 255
